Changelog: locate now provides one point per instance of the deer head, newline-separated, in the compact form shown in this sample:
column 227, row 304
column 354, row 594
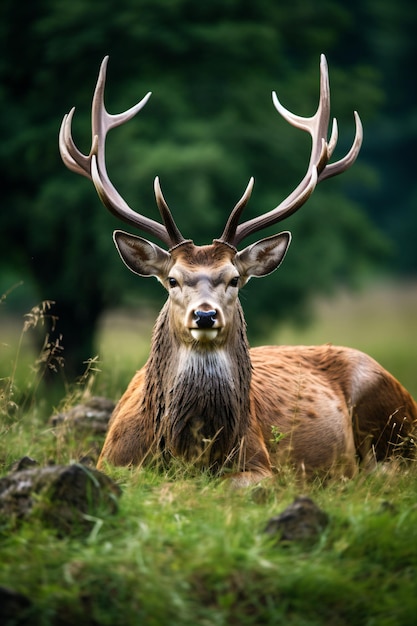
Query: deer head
column 203, row 281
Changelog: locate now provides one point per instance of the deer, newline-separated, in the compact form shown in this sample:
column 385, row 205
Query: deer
column 204, row 396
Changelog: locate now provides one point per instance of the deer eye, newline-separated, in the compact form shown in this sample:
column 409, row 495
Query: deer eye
column 234, row 282
column 172, row 282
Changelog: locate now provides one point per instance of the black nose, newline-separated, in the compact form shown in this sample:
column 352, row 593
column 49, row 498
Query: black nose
column 205, row 319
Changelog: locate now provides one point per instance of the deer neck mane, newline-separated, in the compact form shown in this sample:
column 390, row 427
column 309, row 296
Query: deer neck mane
column 197, row 397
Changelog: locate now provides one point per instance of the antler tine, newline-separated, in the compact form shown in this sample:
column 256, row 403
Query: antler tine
column 317, row 125
column 72, row 157
column 93, row 165
column 101, row 120
column 332, row 169
column 318, row 167
column 173, row 231
column 230, row 228
column 333, row 138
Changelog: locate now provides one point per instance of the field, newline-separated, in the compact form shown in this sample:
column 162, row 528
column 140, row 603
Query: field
column 184, row 549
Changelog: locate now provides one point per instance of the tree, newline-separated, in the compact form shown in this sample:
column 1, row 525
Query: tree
column 209, row 126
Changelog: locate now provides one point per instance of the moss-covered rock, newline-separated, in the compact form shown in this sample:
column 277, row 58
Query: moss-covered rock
column 63, row 497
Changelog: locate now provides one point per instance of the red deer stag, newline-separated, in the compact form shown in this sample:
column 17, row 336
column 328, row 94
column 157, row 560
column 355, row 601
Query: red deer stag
column 203, row 395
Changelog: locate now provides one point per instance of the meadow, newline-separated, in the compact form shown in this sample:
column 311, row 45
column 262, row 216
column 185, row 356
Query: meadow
column 184, row 549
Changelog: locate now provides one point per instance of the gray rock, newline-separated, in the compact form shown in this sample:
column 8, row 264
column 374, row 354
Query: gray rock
column 26, row 462
column 301, row 521
column 90, row 417
column 63, row 497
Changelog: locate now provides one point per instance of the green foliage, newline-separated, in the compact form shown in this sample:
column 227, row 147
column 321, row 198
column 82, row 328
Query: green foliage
column 276, row 435
column 209, row 126
column 184, row 549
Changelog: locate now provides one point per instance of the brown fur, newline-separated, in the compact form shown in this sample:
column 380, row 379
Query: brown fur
column 194, row 411
column 222, row 405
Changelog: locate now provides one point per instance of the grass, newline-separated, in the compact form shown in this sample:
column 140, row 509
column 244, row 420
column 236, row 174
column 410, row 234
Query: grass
column 186, row 550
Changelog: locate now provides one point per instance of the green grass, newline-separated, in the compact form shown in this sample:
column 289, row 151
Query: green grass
column 184, row 549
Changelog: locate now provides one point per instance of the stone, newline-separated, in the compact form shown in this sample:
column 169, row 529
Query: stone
column 302, row 521
column 90, row 417
column 62, row 497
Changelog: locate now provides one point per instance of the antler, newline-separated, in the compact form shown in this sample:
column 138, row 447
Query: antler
column 93, row 165
column 319, row 167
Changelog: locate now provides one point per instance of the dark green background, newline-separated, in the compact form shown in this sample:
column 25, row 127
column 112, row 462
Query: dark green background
column 208, row 127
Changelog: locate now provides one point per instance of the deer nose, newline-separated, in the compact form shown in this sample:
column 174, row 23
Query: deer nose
column 205, row 319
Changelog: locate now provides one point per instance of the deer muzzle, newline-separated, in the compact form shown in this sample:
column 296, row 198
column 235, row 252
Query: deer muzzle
column 206, row 325
column 205, row 319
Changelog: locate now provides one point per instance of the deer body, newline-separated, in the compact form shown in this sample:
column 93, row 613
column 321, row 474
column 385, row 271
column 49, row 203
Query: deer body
column 203, row 395
column 221, row 405
column 317, row 428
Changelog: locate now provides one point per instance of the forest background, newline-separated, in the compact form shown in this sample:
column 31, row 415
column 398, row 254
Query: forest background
column 209, row 126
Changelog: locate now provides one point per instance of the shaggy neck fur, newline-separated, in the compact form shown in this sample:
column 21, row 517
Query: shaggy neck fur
column 199, row 396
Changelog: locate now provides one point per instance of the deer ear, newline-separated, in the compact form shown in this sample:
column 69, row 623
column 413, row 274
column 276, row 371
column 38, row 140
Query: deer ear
column 264, row 256
column 140, row 255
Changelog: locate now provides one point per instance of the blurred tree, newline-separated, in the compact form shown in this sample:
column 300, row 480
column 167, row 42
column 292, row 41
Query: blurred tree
column 392, row 144
column 209, row 126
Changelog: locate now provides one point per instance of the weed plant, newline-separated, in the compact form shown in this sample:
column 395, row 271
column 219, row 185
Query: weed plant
column 185, row 549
